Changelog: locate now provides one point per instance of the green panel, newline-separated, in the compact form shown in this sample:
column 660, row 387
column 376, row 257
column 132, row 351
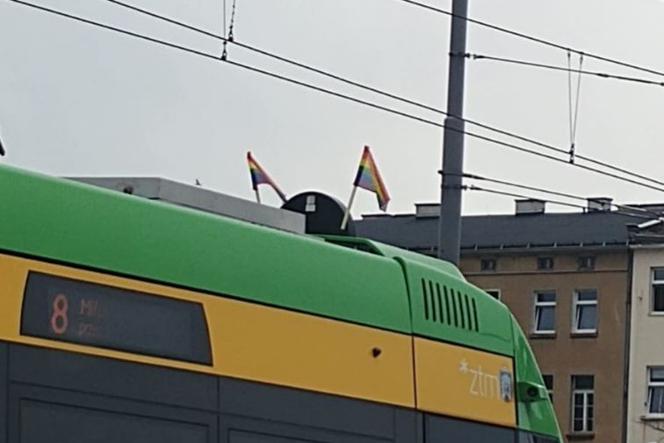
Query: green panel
column 109, row 231
column 534, row 416
column 106, row 230
column 439, row 265
column 447, row 320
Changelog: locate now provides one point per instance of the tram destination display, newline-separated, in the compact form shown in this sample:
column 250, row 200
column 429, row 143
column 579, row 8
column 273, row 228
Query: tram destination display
column 74, row 311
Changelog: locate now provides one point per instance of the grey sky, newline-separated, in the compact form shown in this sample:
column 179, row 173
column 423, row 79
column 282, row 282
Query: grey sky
column 76, row 100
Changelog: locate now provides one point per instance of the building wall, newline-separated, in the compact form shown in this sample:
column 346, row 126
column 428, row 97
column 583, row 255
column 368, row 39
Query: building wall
column 565, row 354
column 646, row 348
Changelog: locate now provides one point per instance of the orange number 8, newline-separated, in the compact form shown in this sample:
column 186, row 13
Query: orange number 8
column 59, row 321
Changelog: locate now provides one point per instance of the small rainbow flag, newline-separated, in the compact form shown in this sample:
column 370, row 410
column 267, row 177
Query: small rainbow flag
column 260, row 177
column 369, row 178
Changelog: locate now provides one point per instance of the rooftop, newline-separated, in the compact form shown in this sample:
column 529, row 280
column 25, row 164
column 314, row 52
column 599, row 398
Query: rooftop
column 495, row 232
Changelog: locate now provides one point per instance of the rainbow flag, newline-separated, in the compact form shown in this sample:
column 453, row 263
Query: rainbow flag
column 260, row 177
column 369, row 178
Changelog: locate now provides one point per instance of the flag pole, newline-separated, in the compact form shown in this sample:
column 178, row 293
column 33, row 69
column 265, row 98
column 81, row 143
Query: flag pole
column 258, row 196
column 344, row 222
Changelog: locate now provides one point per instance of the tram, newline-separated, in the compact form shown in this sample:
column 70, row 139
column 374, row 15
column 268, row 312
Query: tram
column 127, row 320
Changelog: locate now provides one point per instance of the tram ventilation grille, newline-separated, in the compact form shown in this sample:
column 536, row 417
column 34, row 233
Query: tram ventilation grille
column 446, row 306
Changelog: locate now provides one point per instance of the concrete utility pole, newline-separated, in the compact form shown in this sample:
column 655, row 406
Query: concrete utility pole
column 449, row 228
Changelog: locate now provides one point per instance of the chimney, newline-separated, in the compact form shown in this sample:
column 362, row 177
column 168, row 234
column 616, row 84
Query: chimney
column 599, row 204
column 427, row 210
column 529, row 206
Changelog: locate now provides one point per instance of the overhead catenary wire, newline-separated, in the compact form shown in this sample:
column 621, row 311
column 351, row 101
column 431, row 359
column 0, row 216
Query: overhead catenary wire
column 554, row 202
column 326, row 91
column 224, row 51
column 228, row 38
column 622, row 208
column 522, row 196
column 573, row 110
column 531, row 64
column 376, row 90
column 533, row 38
column 382, row 92
column 231, row 25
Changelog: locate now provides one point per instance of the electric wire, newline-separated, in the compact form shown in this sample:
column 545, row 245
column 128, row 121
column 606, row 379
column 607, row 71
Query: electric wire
column 532, row 38
column 515, row 195
column 328, row 92
column 224, row 51
column 114, row 29
column 382, row 92
column 377, row 91
column 569, row 93
column 531, row 64
column 554, row 202
column 621, row 208
column 228, row 38
column 573, row 115
column 231, row 25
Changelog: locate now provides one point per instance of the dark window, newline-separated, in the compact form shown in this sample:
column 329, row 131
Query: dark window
column 488, row 264
column 548, row 382
column 583, row 403
column 585, row 311
column 495, row 293
column 586, row 263
column 448, row 429
column 44, row 421
column 658, row 290
column 656, row 390
column 544, row 263
column 545, row 312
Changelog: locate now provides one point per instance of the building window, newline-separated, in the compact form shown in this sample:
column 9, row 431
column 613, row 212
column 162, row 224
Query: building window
column 586, row 263
column 544, row 263
column 583, row 403
column 658, row 290
column 488, row 264
column 656, row 391
column 545, row 312
column 495, row 293
column 585, row 311
column 548, row 382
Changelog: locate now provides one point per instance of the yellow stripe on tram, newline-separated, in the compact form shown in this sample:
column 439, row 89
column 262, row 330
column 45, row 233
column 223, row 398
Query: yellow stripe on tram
column 248, row 341
column 465, row 383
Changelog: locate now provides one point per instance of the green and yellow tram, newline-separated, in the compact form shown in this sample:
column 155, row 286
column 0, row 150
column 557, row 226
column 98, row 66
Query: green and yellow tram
column 128, row 320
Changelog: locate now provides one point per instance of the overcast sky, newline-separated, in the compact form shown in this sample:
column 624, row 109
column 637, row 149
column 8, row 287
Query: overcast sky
column 77, row 100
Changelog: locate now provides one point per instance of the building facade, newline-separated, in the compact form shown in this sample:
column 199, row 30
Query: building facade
column 645, row 414
column 566, row 277
column 576, row 319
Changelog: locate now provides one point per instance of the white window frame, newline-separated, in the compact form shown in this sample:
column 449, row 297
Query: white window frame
column 496, row 291
column 543, row 304
column 653, row 384
column 585, row 393
column 654, row 282
column 575, row 312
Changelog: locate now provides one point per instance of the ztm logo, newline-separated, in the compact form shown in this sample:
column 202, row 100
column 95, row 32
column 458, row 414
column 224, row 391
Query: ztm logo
column 486, row 385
